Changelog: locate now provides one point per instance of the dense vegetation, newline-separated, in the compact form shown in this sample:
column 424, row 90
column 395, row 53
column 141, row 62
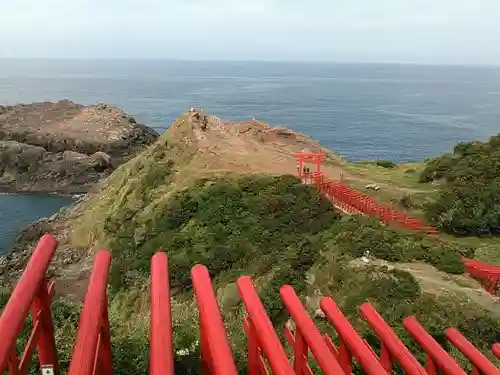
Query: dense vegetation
column 234, row 225
column 469, row 198
column 396, row 294
column 355, row 235
column 278, row 231
column 274, row 229
column 65, row 318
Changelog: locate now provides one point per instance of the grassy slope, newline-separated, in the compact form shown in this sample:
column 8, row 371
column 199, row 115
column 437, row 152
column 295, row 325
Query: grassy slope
column 401, row 182
column 275, row 243
column 272, row 228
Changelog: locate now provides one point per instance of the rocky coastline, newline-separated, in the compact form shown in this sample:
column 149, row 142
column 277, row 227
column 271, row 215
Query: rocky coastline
column 64, row 148
column 61, row 149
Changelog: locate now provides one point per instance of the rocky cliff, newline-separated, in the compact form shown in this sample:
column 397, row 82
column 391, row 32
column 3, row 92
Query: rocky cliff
column 65, row 147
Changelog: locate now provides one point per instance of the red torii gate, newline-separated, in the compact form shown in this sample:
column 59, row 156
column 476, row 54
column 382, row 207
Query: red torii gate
column 316, row 158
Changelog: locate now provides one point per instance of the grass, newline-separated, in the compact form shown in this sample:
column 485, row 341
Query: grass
column 399, row 184
column 396, row 294
column 400, row 175
column 399, row 179
column 225, row 223
column 274, row 229
column 65, row 319
column 399, row 199
column 278, row 231
column 136, row 187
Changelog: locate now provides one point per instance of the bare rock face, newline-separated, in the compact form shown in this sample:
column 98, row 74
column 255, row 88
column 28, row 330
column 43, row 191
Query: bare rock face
column 65, row 147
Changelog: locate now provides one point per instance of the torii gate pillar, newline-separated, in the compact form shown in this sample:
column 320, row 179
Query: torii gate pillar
column 311, row 158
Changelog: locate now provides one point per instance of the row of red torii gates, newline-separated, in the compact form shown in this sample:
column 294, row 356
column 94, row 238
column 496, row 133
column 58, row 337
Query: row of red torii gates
column 352, row 201
column 266, row 354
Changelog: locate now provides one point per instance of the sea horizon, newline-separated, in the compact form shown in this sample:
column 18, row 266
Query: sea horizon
column 245, row 61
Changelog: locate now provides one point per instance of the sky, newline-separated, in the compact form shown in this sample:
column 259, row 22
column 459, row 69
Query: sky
column 410, row 31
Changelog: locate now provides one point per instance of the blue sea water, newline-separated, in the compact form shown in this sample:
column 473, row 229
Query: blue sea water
column 17, row 212
column 362, row 111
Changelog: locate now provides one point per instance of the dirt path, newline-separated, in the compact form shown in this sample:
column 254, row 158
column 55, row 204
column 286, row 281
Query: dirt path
column 439, row 283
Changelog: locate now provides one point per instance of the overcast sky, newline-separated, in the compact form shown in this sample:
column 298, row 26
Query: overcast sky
column 421, row 31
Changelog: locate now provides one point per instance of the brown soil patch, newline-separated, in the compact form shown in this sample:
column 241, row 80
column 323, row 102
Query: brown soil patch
column 256, row 147
column 440, row 283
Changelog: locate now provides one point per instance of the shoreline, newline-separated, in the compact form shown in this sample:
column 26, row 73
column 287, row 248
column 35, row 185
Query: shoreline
column 9, row 192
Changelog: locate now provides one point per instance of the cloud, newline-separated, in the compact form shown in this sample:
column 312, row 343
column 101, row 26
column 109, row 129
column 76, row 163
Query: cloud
column 321, row 29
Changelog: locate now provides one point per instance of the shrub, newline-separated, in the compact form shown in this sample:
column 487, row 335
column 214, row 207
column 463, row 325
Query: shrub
column 65, row 315
column 382, row 286
column 4, row 297
column 437, row 168
column 469, row 200
column 396, row 294
column 406, row 201
column 355, row 235
column 227, row 224
column 385, row 163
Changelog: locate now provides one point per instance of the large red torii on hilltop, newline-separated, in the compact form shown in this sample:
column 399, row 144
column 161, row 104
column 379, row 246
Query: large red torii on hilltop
column 314, row 158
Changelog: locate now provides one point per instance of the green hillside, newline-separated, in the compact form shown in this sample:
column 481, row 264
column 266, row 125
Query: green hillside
column 272, row 228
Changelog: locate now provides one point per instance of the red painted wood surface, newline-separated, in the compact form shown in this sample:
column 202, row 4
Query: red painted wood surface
column 266, row 352
column 31, row 292
column 92, row 351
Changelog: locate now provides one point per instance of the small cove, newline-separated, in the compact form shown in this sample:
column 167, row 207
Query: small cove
column 17, row 211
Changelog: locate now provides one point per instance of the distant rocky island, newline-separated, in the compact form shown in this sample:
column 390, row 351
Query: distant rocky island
column 63, row 147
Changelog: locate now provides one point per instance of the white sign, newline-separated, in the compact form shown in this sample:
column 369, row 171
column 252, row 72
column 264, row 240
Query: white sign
column 47, row 370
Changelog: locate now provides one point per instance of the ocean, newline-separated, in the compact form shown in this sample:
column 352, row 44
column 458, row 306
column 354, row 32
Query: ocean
column 362, row 111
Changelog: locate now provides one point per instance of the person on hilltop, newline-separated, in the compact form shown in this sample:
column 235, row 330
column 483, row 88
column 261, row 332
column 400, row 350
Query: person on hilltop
column 204, row 124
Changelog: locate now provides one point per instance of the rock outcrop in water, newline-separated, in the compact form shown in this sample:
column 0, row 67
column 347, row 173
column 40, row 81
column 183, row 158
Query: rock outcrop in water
column 65, row 147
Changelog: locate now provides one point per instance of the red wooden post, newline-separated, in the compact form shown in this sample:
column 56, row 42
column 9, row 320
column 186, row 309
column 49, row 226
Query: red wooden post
column 351, row 344
column 345, row 357
column 29, row 290
column 438, row 357
column 393, row 344
column 431, row 367
column 46, row 344
column 290, row 338
column 214, row 338
column 253, row 348
column 205, row 352
column 161, row 356
column 309, row 333
column 495, row 349
column 89, row 338
column 299, row 353
column 385, row 358
column 316, row 158
column 106, row 359
column 14, row 363
column 266, row 336
column 480, row 363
